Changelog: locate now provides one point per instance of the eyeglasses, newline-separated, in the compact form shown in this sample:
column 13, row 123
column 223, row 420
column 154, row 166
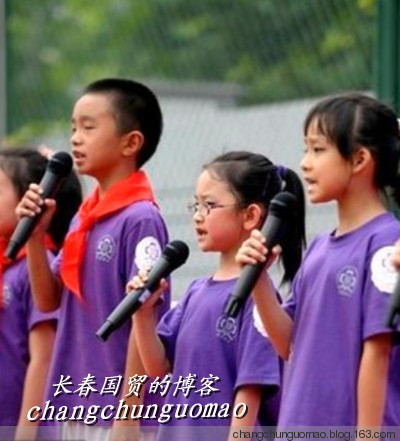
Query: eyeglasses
column 204, row 208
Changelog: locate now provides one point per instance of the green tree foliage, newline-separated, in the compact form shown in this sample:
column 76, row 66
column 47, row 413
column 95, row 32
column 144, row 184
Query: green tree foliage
column 276, row 49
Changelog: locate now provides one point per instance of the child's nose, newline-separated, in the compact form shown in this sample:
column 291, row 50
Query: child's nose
column 305, row 163
column 197, row 218
column 75, row 138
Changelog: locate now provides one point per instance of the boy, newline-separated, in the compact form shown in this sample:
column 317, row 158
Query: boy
column 116, row 126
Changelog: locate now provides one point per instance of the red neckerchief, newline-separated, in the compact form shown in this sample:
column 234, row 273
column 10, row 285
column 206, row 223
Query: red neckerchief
column 5, row 262
column 122, row 194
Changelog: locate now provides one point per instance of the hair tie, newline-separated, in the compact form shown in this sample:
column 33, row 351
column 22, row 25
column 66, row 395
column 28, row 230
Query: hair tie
column 281, row 170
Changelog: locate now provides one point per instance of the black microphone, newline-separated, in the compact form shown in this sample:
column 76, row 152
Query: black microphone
column 58, row 168
column 393, row 317
column 173, row 256
column 280, row 211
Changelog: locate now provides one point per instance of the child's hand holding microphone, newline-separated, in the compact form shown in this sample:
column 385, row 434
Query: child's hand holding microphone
column 138, row 282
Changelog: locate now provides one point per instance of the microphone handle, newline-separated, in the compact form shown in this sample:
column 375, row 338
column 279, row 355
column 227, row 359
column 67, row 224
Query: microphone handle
column 245, row 284
column 393, row 316
column 273, row 231
column 131, row 303
column 20, row 236
column 134, row 299
column 50, row 184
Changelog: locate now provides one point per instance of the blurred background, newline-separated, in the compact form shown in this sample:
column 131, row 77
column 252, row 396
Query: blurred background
column 230, row 74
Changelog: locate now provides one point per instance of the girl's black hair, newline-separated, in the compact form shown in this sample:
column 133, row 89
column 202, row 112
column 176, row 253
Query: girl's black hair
column 254, row 179
column 25, row 165
column 355, row 120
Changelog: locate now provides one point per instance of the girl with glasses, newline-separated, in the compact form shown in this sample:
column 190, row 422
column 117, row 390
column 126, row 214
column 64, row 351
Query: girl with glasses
column 196, row 341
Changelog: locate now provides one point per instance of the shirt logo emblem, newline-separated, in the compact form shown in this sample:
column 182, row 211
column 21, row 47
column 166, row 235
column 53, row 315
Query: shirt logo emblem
column 226, row 328
column 7, row 296
column 105, row 249
column 147, row 252
column 346, row 280
column 383, row 273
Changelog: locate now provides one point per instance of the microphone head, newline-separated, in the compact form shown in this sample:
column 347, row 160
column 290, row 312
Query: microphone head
column 282, row 205
column 60, row 164
column 176, row 252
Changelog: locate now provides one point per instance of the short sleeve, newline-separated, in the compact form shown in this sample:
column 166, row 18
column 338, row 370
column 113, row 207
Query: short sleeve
column 289, row 304
column 257, row 361
column 169, row 325
column 168, row 329
column 34, row 315
column 55, row 265
column 380, row 281
column 141, row 247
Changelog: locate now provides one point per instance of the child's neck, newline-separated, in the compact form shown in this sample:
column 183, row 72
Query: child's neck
column 107, row 180
column 357, row 210
column 227, row 268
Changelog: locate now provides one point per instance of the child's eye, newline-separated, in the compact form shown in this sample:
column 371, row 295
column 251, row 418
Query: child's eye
column 210, row 205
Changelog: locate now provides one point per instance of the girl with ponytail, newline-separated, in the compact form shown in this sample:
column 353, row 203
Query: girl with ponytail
column 232, row 196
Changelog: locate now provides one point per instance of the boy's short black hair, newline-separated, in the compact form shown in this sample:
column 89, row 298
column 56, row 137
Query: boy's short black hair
column 135, row 107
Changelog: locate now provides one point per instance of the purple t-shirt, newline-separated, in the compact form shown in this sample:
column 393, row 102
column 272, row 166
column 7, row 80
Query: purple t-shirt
column 116, row 247
column 17, row 318
column 201, row 340
column 340, row 297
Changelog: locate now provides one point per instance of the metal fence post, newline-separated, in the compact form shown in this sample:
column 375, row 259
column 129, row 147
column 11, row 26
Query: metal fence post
column 387, row 67
column 3, row 71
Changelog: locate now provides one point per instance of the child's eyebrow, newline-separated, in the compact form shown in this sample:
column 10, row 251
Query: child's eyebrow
column 314, row 138
column 203, row 196
column 83, row 118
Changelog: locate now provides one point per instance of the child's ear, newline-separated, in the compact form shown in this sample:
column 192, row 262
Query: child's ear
column 134, row 141
column 253, row 216
column 362, row 158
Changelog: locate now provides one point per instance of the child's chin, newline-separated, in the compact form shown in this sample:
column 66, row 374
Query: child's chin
column 203, row 246
column 319, row 200
column 314, row 198
column 87, row 172
column 80, row 169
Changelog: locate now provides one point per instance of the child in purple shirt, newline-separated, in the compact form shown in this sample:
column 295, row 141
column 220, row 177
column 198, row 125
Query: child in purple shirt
column 26, row 334
column 116, row 127
column 341, row 369
column 196, row 339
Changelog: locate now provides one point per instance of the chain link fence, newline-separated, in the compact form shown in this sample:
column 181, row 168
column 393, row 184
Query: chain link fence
column 230, row 75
